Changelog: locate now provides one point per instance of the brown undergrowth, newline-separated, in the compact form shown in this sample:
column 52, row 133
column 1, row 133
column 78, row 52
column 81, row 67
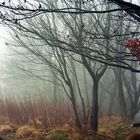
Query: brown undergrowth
column 26, row 132
column 37, row 119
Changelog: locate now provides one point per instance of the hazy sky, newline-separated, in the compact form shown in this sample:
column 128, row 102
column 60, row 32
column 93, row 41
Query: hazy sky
column 3, row 37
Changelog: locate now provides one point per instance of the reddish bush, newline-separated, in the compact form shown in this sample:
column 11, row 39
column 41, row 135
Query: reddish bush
column 134, row 46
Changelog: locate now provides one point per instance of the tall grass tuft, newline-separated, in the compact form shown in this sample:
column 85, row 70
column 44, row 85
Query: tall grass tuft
column 35, row 111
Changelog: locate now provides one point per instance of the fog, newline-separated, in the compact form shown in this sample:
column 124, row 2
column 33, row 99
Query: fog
column 67, row 67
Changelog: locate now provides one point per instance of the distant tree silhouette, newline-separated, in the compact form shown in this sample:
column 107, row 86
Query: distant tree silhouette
column 132, row 9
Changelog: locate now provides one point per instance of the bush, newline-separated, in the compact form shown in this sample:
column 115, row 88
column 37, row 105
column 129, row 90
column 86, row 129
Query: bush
column 57, row 135
column 121, row 131
column 7, row 129
column 26, row 131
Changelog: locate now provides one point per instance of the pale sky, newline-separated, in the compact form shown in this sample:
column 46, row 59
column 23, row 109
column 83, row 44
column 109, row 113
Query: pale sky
column 4, row 36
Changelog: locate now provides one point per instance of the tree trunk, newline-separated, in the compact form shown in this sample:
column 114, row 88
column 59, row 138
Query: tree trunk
column 111, row 104
column 134, row 108
column 121, row 93
column 55, row 89
column 77, row 120
column 86, row 91
column 94, row 107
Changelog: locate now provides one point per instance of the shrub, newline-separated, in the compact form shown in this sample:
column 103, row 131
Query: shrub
column 57, row 135
column 6, row 129
column 121, row 131
column 26, row 131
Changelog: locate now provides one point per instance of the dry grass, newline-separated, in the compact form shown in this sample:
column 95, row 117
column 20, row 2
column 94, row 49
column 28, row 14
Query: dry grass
column 35, row 118
column 6, row 129
column 26, row 131
column 108, row 122
column 35, row 111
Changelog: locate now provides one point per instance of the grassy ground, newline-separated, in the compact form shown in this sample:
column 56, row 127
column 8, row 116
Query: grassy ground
column 111, row 128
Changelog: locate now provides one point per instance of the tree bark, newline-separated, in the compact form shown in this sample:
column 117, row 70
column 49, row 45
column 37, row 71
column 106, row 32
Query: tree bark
column 77, row 120
column 94, row 107
column 134, row 108
column 121, row 94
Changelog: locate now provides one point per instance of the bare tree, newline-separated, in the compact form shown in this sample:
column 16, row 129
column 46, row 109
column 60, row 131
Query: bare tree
column 17, row 13
column 77, row 38
column 91, row 37
column 132, row 86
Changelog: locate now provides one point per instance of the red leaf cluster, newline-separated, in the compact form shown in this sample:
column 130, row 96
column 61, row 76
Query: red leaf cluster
column 134, row 46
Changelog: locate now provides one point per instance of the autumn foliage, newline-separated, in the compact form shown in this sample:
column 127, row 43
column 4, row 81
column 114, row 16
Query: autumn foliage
column 134, row 46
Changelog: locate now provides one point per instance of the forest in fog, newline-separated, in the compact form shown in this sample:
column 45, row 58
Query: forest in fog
column 70, row 70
